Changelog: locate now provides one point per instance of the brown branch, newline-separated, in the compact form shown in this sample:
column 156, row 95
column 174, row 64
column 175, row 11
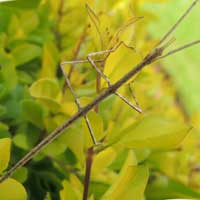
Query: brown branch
column 155, row 54
column 88, row 168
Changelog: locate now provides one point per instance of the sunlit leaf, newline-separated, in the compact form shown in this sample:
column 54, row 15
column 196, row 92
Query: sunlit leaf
column 10, row 189
column 131, row 183
column 120, row 62
column 5, row 145
column 47, row 91
column 49, row 61
column 96, row 30
column 96, row 123
column 154, row 132
column 67, row 192
column 103, row 160
column 32, row 23
column 77, row 185
column 125, row 33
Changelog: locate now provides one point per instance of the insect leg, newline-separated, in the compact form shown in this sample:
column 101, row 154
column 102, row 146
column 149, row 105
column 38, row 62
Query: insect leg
column 76, row 99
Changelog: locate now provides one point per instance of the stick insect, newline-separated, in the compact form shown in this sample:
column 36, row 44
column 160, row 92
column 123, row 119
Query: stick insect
column 152, row 56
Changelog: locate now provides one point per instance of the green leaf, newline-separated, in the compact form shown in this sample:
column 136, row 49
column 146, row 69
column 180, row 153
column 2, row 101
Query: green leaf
column 10, row 189
column 24, row 77
column 5, row 145
column 5, row 15
column 7, row 70
column 3, row 91
column 32, row 112
column 4, row 133
column 21, row 174
column 163, row 187
column 74, row 140
column 2, row 110
column 55, row 148
column 22, row 4
column 26, row 136
column 154, row 132
column 25, row 52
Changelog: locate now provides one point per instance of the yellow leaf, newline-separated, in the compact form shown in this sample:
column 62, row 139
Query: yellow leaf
column 95, row 30
column 5, row 144
column 130, row 183
column 50, row 59
column 154, row 132
column 47, row 91
column 67, row 193
column 77, row 186
column 69, row 108
column 119, row 62
column 45, row 88
column 32, row 23
column 96, row 123
column 10, row 189
column 103, row 160
column 125, row 33
column 195, row 120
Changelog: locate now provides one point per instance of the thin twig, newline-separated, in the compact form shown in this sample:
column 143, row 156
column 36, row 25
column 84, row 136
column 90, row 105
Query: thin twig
column 134, row 97
column 150, row 58
column 174, row 27
column 180, row 49
column 128, row 102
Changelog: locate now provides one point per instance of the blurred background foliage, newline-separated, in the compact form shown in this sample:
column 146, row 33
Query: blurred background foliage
column 151, row 156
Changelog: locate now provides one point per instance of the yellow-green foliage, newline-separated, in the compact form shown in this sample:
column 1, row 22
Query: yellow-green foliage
column 143, row 156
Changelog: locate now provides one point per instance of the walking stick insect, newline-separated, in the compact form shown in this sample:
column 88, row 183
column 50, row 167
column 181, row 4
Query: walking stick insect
column 154, row 55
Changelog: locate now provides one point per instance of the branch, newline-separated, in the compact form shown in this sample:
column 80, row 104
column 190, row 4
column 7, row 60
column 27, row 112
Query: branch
column 89, row 161
column 173, row 28
column 152, row 56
